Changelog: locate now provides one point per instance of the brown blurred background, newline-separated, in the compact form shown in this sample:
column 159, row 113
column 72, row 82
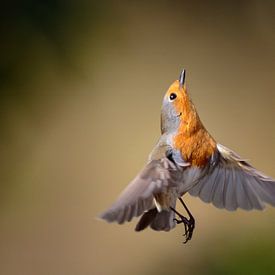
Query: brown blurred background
column 81, row 88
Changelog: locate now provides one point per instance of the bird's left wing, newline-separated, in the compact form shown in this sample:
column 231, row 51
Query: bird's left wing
column 138, row 196
column 233, row 183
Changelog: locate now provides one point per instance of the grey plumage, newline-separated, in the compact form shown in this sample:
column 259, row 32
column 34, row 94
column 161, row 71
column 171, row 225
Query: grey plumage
column 138, row 197
column 159, row 221
column 234, row 183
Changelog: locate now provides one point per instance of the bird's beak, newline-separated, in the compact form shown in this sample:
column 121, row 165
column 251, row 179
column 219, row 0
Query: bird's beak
column 182, row 78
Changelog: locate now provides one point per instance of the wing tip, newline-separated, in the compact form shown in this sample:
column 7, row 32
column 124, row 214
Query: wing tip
column 119, row 216
column 108, row 216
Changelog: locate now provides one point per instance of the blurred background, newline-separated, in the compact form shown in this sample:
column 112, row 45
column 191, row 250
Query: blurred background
column 81, row 85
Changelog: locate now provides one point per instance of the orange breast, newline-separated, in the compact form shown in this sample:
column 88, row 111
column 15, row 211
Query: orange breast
column 192, row 139
column 195, row 143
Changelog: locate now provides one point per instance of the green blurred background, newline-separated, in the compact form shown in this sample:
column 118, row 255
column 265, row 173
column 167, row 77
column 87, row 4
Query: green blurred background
column 81, row 86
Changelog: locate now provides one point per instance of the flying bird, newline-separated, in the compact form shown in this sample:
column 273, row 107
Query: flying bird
column 187, row 159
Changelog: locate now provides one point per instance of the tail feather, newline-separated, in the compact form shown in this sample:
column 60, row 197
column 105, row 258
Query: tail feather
column 160, row 221
column 146, row 219
column 164, row 221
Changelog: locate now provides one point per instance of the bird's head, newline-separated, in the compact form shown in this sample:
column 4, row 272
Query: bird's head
column 177, row 108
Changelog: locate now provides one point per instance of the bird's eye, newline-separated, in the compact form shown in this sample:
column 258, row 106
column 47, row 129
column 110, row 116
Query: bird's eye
column 172, row 96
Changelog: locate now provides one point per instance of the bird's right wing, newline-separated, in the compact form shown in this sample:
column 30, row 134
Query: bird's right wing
column 138, row 196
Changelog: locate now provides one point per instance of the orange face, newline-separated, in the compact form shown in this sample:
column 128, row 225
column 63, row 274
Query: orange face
column 177, row 109
column 178, row 97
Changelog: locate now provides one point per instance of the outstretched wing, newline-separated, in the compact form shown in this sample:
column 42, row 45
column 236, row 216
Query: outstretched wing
column 138, row 196
column 233, row 183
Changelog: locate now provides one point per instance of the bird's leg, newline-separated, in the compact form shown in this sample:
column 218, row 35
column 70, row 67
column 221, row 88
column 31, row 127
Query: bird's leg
column 182, row 219
column 191, row 220
column 189, row 224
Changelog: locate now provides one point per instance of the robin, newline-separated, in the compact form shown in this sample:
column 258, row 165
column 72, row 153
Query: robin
column 187, row 159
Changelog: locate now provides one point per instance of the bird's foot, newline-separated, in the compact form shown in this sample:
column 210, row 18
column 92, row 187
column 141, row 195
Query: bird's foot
column 189, row 226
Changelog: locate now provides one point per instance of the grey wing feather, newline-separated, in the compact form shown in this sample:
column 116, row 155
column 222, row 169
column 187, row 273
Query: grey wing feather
column 218, row 193
column 233, row 183
column 138, row 195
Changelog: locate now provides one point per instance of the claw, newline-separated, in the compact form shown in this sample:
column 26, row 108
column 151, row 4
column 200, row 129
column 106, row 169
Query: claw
column 189, row 224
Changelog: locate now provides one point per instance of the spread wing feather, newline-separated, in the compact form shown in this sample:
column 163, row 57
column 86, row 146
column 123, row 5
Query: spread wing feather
column 233, row 183
column 138, row 196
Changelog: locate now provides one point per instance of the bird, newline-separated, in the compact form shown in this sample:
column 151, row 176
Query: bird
column 187, row 159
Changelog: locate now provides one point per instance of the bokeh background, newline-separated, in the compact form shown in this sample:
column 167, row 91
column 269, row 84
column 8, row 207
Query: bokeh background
column 81, row 86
